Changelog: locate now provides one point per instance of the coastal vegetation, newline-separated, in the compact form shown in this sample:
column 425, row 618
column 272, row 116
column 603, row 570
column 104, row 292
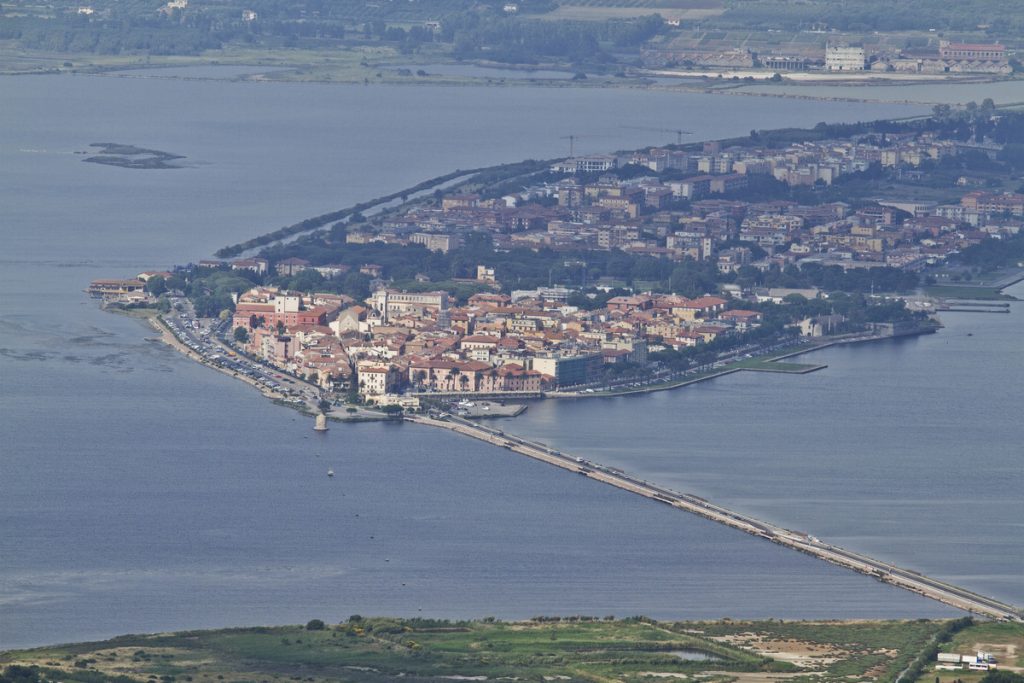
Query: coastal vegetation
column 585, row 37
column 356, row 210
column 365, row 649
column 875, row 15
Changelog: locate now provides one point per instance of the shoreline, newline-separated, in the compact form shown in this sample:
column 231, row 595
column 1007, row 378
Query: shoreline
column 169, row 338
column 708, row 82
column 278, row 398
column 935, row 589
column 678, row 384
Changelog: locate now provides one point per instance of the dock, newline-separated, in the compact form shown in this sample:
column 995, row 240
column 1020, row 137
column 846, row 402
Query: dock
column 907, row 579
column 484, row 409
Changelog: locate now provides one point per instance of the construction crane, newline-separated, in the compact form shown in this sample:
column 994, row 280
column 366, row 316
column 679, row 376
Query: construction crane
column 679, row 132
column 573, row 138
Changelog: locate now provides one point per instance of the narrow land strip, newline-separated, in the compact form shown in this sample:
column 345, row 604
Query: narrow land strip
column 941, row 591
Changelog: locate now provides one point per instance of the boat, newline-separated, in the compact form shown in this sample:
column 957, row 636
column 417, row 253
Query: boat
column 330, row 472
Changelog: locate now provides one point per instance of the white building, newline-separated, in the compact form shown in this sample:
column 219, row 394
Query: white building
column 375, row 380
column 588, row 164
column 844, row 58
column 436, row 241
column 390, row 303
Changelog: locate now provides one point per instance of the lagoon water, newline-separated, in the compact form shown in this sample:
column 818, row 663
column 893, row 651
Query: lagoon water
column 140, row 492
column 910, row 450
column 1003, row 92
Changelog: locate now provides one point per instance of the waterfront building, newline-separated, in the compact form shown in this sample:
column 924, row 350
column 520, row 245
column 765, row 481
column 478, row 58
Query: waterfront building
column 972, row 51
column 844, row 58
column 568, row 370
column 116, row 288
column 256, row 265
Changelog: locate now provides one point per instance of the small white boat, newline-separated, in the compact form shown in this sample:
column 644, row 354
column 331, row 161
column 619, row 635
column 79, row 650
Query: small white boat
column 330, row 472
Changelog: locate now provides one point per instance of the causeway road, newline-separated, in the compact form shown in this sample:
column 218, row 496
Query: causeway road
column 946, row 593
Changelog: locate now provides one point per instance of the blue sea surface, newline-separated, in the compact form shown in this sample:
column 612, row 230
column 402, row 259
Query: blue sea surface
column 142, row 492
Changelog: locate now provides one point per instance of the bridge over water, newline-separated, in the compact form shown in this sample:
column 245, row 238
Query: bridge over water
column 946, row 593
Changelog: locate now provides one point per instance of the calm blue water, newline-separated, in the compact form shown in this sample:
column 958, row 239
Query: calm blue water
column 1001, row 92
column 474, row 71
column 140, row 492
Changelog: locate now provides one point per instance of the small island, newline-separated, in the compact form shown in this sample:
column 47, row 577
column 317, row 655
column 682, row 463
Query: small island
column 130, row 156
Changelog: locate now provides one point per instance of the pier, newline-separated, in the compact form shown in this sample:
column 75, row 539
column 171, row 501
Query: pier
column 959, row 306
column 943, row 592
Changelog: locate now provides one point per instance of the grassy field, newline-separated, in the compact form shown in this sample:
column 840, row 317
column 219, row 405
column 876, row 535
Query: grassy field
column 834, row 651
column 349, row 65
column 1004, row 641
column 381, row 649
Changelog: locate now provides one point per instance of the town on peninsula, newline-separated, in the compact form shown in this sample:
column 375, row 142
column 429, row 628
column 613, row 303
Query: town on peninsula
column 612, row 273
column 467, row 359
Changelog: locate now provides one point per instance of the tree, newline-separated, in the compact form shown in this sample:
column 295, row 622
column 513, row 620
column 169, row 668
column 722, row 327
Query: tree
column 241, row 335
column 323, row 405
column 156, row 285
column 1002, row 677
column 315, row 625
column 20, row 674
column 356, row 285
column 175, row 283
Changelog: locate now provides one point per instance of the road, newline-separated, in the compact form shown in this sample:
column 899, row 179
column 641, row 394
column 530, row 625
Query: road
column 946, row 593
column 206, row 339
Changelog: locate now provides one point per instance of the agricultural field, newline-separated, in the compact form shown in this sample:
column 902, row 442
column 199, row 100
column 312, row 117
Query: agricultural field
column 833, row 651
column 372, row 650
column 601, row 10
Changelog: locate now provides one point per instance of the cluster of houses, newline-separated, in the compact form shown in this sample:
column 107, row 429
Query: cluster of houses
column 946, row 57
column 413, row 343
column 802, row 163
column 648, row 216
